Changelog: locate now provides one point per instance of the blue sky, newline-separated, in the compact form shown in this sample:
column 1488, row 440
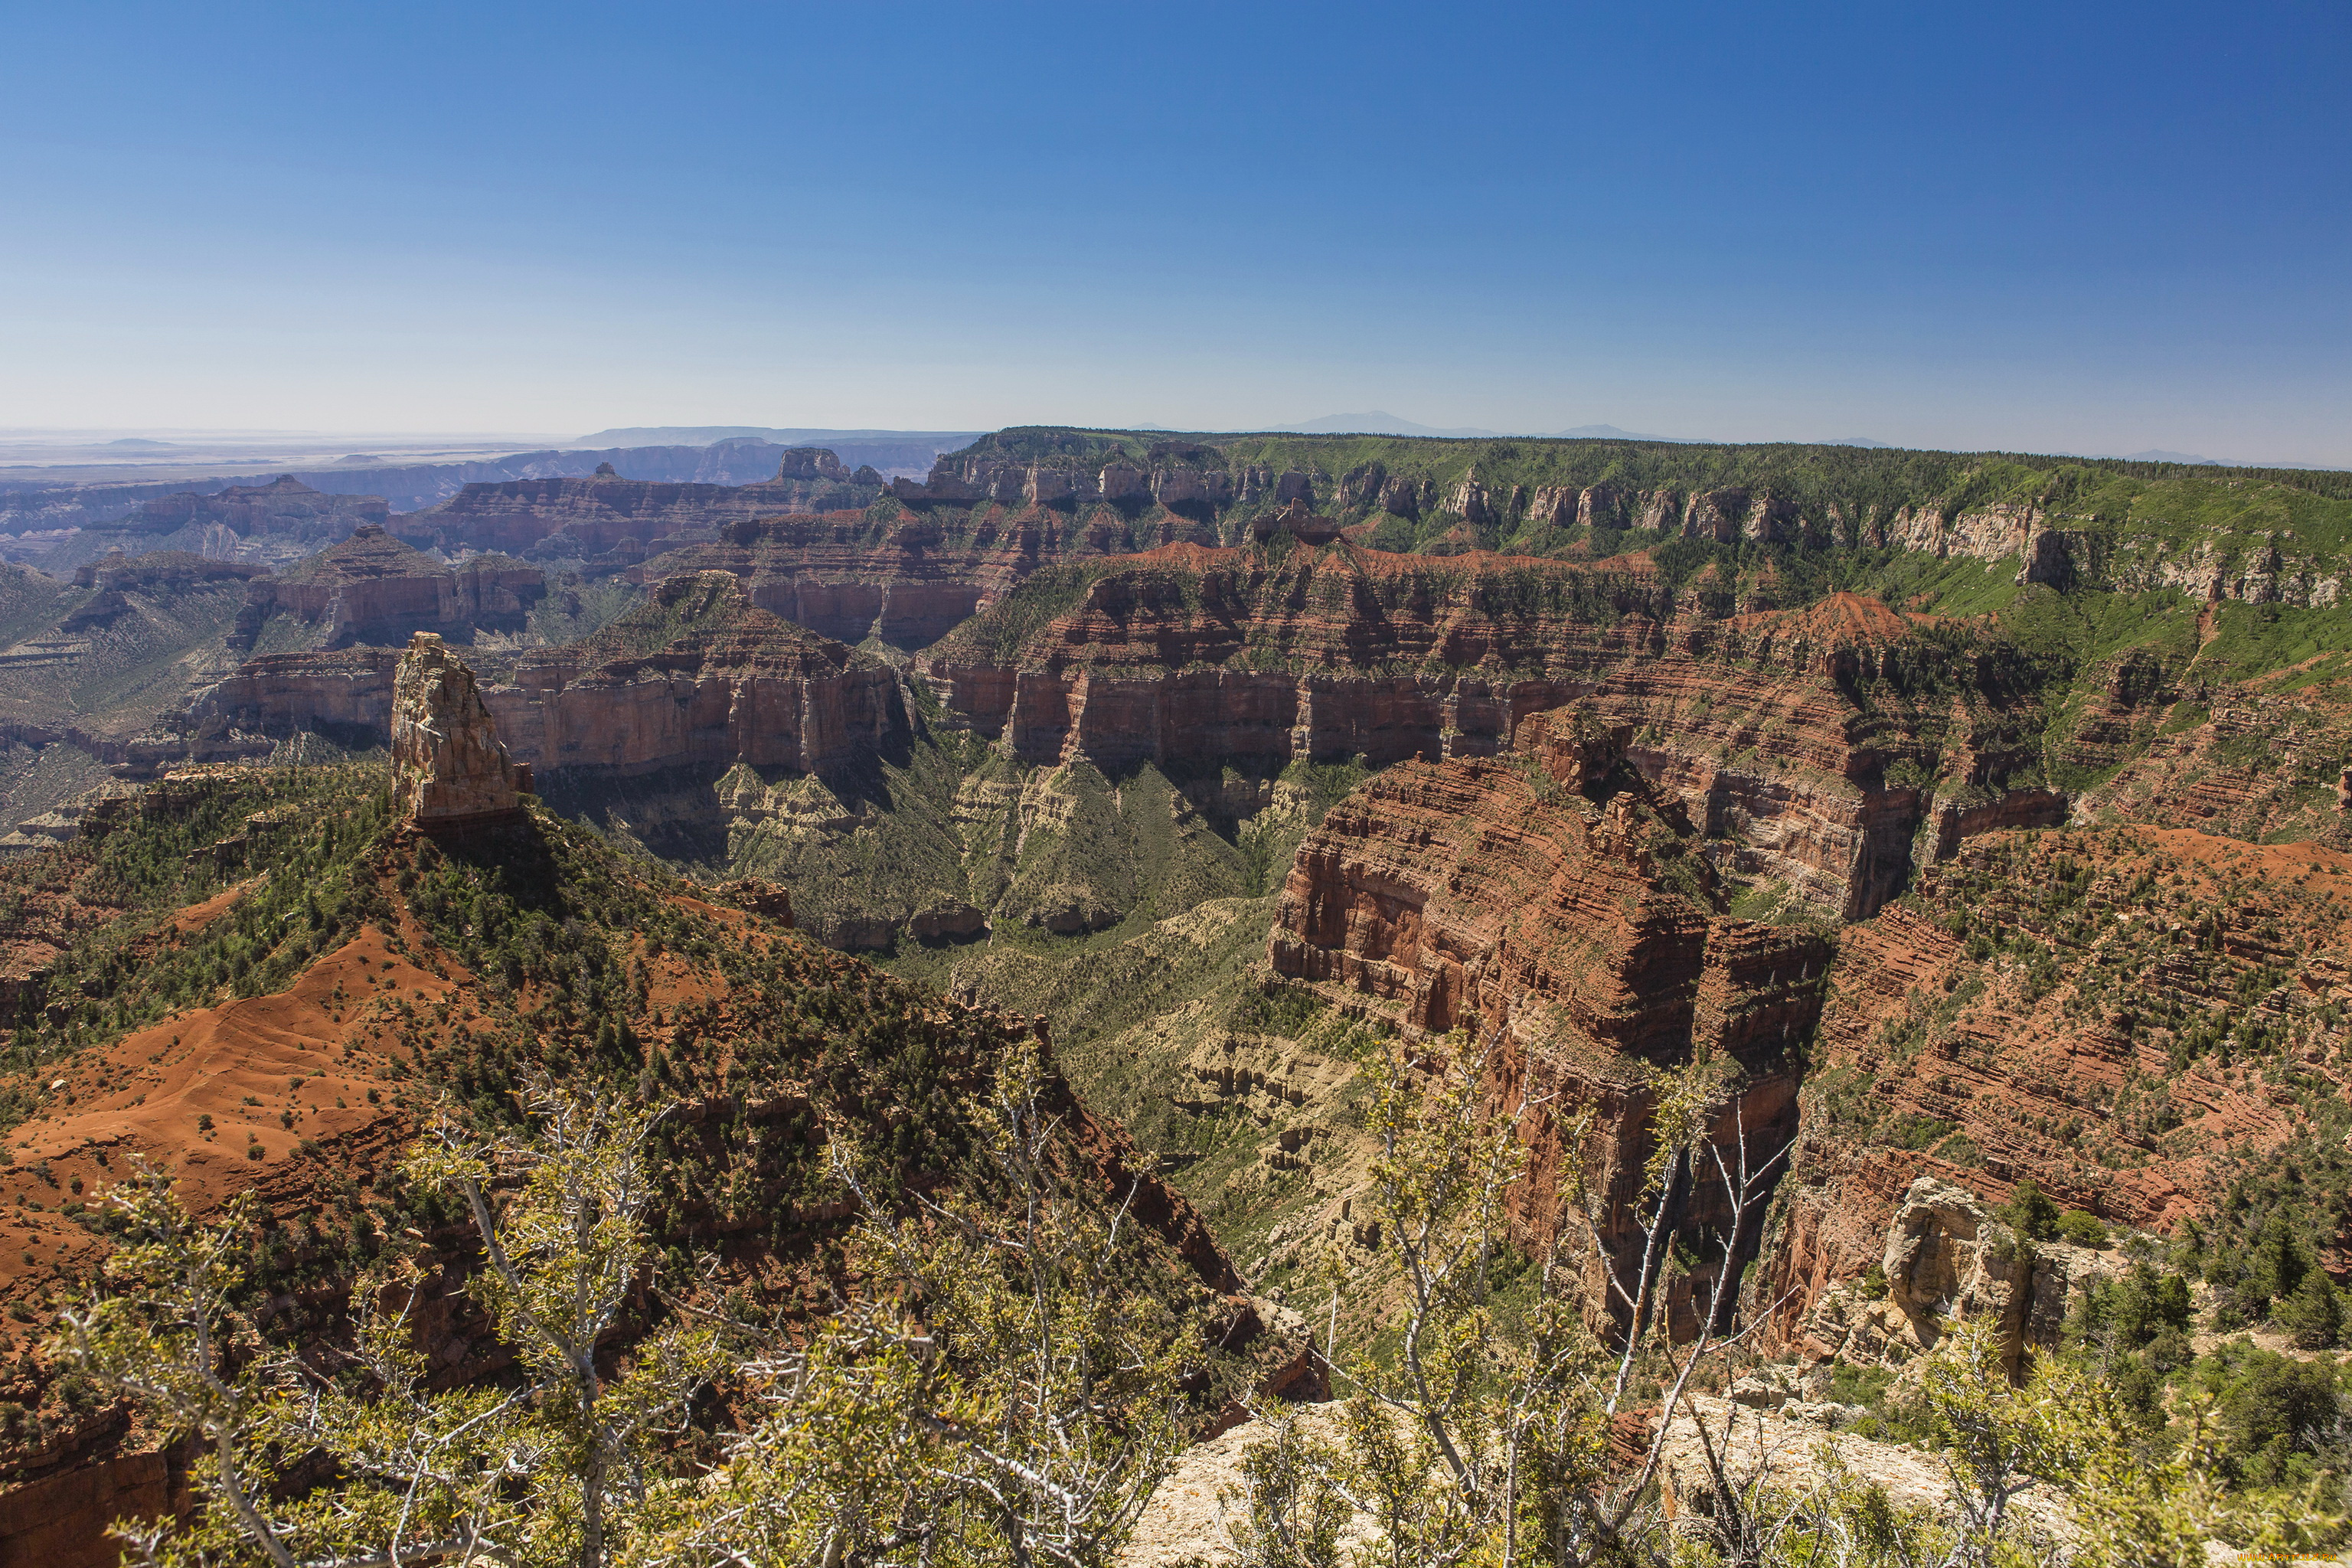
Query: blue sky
column 2083, row 227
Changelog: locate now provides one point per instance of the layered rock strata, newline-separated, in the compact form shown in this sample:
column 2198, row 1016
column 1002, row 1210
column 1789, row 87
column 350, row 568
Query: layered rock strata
column 284, row 505
column 620, row 522
column 911, row 579
column 373, row 588
column 1781, row 731
column 1552, row 900
column 2065, row 1005
column 698, row 679
column 448, row 768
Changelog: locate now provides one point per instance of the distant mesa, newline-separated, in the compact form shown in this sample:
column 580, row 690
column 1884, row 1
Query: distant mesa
column 359, row 458
column 141, row 444
column 1375, row 422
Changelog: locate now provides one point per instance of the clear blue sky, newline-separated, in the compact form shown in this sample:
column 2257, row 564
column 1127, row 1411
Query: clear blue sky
column 2095, row 228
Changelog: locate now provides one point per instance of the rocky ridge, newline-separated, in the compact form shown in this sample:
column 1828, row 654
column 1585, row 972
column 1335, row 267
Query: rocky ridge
column 1550, row 901
column 373, row 588
column 616, row 522
column 386, row 967
column 695, row 678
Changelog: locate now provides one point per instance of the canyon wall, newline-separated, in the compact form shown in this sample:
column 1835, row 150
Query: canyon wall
column 1787, row 735
column 912, row 578
column 729, row 684
column 698, row 678
column 373, row 588
column 1552, row 900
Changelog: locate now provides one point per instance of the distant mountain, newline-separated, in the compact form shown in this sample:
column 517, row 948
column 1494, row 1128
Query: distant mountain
column 1610, row 433
column 1374, row 423
column 711, row 435
column 2159, row 454
column 1856, row 441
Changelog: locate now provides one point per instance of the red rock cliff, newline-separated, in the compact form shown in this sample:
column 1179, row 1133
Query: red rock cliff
column 698, row 678
column 1552, row 898
column 1778, row 730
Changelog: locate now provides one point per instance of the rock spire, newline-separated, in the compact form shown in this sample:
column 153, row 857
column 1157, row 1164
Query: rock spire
column 448, row 766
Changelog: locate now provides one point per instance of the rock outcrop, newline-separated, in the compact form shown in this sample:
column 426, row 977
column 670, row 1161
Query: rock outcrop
column 1553, row 898
column 1784, row 732
column 448, row 768
column 373, row 588
column 1947, row 1259
column 699, row 678
column 614, row 521
column 2047, row 1004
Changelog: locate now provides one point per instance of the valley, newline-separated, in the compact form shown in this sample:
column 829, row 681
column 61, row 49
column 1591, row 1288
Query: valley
column 1938, row 834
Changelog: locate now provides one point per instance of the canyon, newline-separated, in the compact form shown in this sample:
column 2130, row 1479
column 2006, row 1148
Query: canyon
column 1552, row 903
column 1958, row 827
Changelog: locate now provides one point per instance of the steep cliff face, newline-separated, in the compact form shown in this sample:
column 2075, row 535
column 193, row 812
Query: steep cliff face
column 1553, row 898
column 2247, row 535
column 1261, row 656
column 449, row 769
column 699, row 678
column 910, row 578
column 372, row 588
column 1805, row 743
column 618, row 521
column 345, row 695
column 2134, row 1017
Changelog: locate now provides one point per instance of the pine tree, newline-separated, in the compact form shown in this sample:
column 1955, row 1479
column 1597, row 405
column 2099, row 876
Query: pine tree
column 2281, row 1259
column 2313, row 1315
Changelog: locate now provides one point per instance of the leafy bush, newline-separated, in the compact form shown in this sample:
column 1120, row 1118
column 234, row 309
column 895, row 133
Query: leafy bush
column 2029, row 1211
column 2083, row 1228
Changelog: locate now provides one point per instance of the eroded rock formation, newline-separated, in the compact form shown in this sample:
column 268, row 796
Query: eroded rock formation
column 616, row 522
column 1553, row 898
column 448, row 768
column 910, row 580
column 698, row 679
column 2049, row 1004
column 373, row 588
column 1787, row 735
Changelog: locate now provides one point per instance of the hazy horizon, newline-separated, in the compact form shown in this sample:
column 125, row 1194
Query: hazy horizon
column 2094, row 230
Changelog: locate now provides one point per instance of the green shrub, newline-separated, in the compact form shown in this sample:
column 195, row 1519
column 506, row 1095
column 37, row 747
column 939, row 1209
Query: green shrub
column 2083, row 1228
column 2313, row 1315
column 2029, row 1211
